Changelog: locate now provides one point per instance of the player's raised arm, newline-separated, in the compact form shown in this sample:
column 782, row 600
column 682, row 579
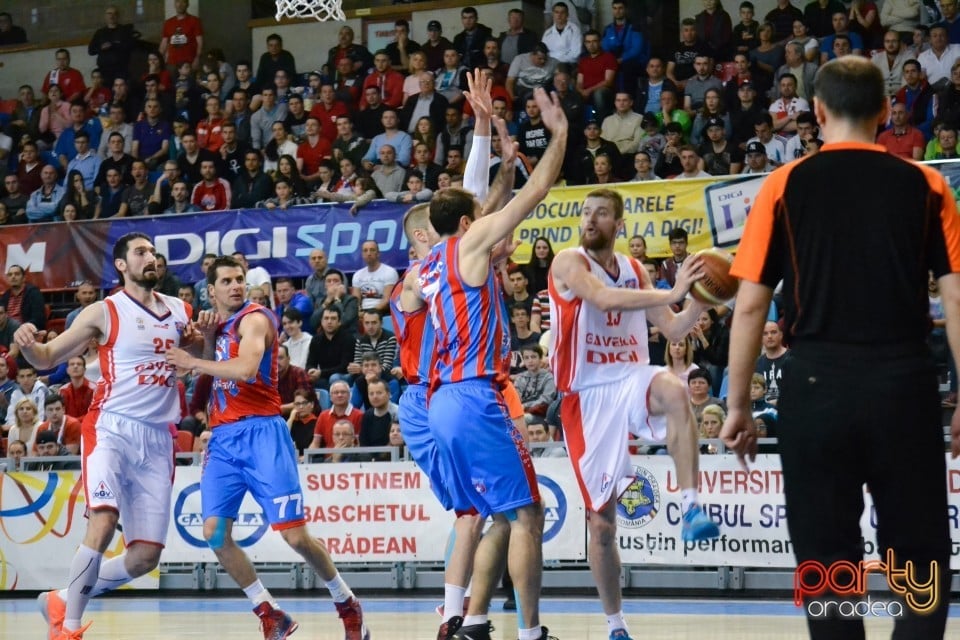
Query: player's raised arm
column 476, row 175
column 484, row 233
column 90, row 323
column 255, row 329
column 674, row 326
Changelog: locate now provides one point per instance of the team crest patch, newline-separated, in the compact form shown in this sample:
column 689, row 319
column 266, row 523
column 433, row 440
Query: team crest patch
column 140, row 324
column 640, row 502
column 102, row 492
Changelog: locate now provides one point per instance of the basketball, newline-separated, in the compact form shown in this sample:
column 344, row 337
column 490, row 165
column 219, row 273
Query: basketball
column 717, row 285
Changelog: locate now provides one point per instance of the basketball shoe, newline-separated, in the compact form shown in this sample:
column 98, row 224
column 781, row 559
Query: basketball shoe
column 352, row 616
column 54, row 610
column 65, row 634
column 275, row 624
column 698, row 526
column 474, row 632
column 450, row 627
column 545, row 634
column 620, row 634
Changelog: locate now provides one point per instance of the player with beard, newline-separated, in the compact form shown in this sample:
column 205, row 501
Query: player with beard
column 599, row 304
column 127, row 445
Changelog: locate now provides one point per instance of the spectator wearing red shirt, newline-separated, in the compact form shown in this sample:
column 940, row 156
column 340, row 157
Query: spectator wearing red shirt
column 595, row 74
column 212, row 193
column 66, row 77
column 901, row 139
column 312, row 151
column 182, row 38
column 77, row 394
column 66, row 426
column 327, row 110
column 341, row 409
column 209, row 133
column 386, row 80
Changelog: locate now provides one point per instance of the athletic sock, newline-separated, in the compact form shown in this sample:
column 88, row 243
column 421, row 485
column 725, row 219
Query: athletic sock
column 531, row 634
column 258, row 594
column 453, row 601
column 470, row 621
column 688, row 498
column 338, row 588
column 615, row 622
column 466, row 594
column 113, row 575
column 83, row 576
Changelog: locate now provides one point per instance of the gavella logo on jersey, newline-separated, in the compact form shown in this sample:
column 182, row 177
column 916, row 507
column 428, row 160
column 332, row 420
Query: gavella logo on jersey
column 102, row 492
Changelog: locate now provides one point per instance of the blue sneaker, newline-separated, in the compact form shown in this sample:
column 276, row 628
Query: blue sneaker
column 697, row 526
column 620, row 634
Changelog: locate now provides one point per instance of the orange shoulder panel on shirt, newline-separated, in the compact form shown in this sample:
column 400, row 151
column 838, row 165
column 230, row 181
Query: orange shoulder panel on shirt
column 755, row 243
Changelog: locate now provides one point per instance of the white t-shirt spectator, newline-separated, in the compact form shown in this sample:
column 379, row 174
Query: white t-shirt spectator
column 371, row 284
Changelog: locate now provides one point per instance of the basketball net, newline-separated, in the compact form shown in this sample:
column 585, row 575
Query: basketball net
column 321, row 10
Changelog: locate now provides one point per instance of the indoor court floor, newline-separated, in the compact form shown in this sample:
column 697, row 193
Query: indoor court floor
column 169, row 618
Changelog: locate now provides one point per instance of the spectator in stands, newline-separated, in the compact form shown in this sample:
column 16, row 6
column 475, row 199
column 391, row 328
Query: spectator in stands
column 340, row 410
column 331, row 349
column 535, row 384
column 111, row 195
column 86, row 295
column 763, row 412
column 289, row 378
column 296, row 119
column 121, row 95
column 492, row 64
column 765, row 59
column 649, row 88
column 65, row 428
column 375, row 339
column 182, row 37
column 16, row 449
column 788, row 106
column 389, row 83
column 231, row 152
column 917, row 94
column 719, row 156
column 744, row 33
column 671, row 111
column 167, row 282
column 340, row 298
column 715, row 29
column 690, row 162
column 763, row 128
column 27, row 178
column 435, row 45
column 623, row 126
column 238, row 112
column 280, row 148
column 801, row 36
column 402, row 47
column 262, row 121
column 643, row 165
column 252, row 185
column 25, row 118
column 537, row 434
column 327, row 110
column 393, row 137
column 517, row 39
column 348, row 144
column 840, row 28
column 627, row 44
column 212, row 193
column 414, row 193
column 580, row 167
column 668, row 161
column 818, row 15
column 28, row 388
column 711, row 343
column 890, row 61
column 151, row 136
column 422, row 162
column 900, row 16
column 680, row 61
column 65, row 148
column 312, row 151
column 596, row 74
column 901, row 139
column 9, row 350
column 54, row 117
column 296, row 340
column 427, row 103
column 276, row 58
column 315, row 285
column 756, row 159
column 23, row 422
column 68, row 80
column 699, row 83
column 42, row 204
column 9, row 32
column 155, row 67
column 284, row 196
column 192, row 158
column 803, row 72
column 116, row 125
column 538, row 267
column 112, row 44
column 136, row 195
column 302, row 421
column 289, row 298
column 451, row 78
column 77, row 393
column 469, row 42
column 772, row 361
column 344, row 438
column 209, row 132
column 699, row 383
column 377, row 420
column 711, row 421
column 947, row 138
column 806, row 130
column 679, row 358
column 528, row 71
column 563, row 38
column 712, row 109
column 416, row 67
column 519, row 293
column 374, row 282
column 85, row 201
column 358, row 55
column 180, row 199
column 201, row 294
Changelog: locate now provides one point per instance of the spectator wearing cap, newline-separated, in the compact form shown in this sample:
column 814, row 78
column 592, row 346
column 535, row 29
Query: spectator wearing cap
column 563, row 37
column 653, row 140
column 402, row 46
column 649, row 88
column 595, row 75
column 623, row 126
column 469, row 42
column 668, row 164
column 713, row 107
column 580, row 170
column 528, row 71
column 698, row 84
column 517, row 39
column 757, row 160
column 49, row 448
column 435, row 45
column 745, row 112
column 719, row 156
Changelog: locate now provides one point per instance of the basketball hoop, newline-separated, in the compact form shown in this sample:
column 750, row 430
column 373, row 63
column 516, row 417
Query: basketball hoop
column 321, row 10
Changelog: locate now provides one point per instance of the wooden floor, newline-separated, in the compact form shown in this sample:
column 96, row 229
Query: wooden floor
column 168, row 618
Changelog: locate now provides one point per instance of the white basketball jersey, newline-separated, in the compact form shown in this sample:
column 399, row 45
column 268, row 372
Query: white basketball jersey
column 135, row 380
column 590, row 347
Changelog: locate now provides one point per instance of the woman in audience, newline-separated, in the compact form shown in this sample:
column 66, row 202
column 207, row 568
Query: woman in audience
column 328, row 178
column 638, row 248
column 538, row 267
column 284, row 198
column 155, row 67
column 713, row 107
column 765, row 59
column 85, row 202
column 280, row 145
column 679, row 358
column 416, row 66
column 364, row 192
column 710, row 340
column 644, row 166
column 55, row 116
column 396, row 439
column 710, row 424
column 426, row 134
column 287, row 169
column 26, row 424
column 602, row 170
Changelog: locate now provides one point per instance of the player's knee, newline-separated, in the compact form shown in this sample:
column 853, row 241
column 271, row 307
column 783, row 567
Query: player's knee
column 142, row 558
column 602, row 530
column 530, row 517
column 671, row 394
column 296, row 537
column 215, row 532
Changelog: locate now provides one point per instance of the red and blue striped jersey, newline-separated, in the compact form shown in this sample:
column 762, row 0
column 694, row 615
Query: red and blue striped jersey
column 473, row 340
column 232, row 400
column 416, row 337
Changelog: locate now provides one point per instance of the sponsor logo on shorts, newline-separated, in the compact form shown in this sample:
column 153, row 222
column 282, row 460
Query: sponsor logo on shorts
column 479, row 486
column 554, row 507
column 248, row 528
column 639, row 504
column 102, row 492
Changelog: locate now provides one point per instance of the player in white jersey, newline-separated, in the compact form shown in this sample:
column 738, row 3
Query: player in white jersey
column 599, row 303
column 127, row 446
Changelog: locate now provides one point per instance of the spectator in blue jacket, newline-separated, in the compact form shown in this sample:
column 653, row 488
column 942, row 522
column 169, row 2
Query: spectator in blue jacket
column 628, row 44
column 290, row 298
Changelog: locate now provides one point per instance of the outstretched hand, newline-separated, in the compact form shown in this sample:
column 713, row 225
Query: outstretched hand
column 478, row 94
column 551, row 112
column 739, row 434
column 509, row 148
column 690, row 271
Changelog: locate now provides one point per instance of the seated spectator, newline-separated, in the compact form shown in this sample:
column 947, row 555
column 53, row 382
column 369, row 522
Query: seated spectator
column 284, row 197
column 85, row 201
column 711, row 421
column 77, row 393
column 529, row 71
column 451, row 78
column 538, row 433
column 744, row 33
column 668, row 163
column 331, row 350
column 180, row 199
column 840, row 32
column 302, row 421
column 375, row 339
column 16, row 450
column 699, row 83
column 690, row 163
column 698, row 386
column 42, row 204
column 396, row 440
column 289, row 379
column 788, row 106
column 947, row 139
column 209, row 134
column 65, row 428
column 343, row 438
column 340, row 409
column 296, row 340
column 765, row 58
column 348, row 144
column 623, row 127
column 362, row 192
column 327, row 178
column 643, row 167
column 289, row 298
column 763, row 412
column 535, row 385
column 679, row 358
column 48, row 447
column 756, row 159
column 22, row 302
column 252, row 185
column 719, row 156
column 521, row 335
column 417, row 64
column 602, row 170
column 807, row 130
column 212, row 193
column 712, row 108
column 386, row 80
column 416, row 192
column 711, row 342
column 426, row 104
column 23, row 422
column 763, row 130
column 287, row 169
column 378, row 418
column 773, row 360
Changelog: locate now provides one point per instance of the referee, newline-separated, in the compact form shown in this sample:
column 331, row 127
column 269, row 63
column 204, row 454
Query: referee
column 852, row 232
